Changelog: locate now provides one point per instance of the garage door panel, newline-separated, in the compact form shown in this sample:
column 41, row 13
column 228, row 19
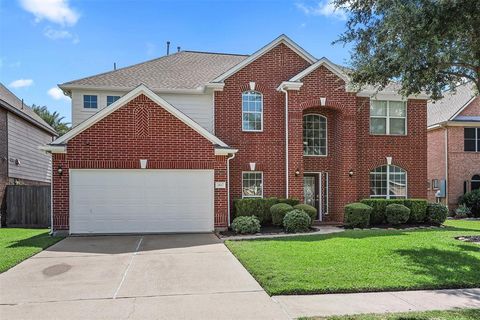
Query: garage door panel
column 119, row 201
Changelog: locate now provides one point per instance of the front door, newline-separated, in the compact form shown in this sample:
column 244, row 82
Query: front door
column 311, row 191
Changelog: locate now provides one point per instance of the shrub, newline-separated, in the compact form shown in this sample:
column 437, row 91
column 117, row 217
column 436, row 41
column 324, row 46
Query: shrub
column 472, row 201
column 397, row 214
column 357, row 215
column 436, row 213
column 311, row 211
column 418, row 209
column 278, row 212
column 291, row 201
column 246, row 224
column 462, row 212
column 259, row 207
column 296, row 221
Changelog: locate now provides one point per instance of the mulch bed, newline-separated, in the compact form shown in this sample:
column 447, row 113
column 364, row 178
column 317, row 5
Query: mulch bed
column 474, row 239
column 267, row 230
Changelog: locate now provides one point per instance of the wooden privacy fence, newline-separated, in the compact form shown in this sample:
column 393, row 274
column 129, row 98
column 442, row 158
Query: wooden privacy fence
column 28, row 206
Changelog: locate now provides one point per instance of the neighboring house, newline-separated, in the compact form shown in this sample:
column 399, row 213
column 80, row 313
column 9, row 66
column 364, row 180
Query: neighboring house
column 22, row 131
column 209, row 128
column 454, row 145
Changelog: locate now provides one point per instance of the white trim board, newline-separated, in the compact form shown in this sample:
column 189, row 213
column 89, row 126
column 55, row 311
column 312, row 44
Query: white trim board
column 141, row 89
column 322, row 62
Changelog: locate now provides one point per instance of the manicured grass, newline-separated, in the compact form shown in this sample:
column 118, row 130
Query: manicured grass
column 18, row 244
column 462, row 314
column 364, row 260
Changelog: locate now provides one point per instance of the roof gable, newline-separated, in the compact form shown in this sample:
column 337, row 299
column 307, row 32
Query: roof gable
column 142, row 89
column 281, row 39
column 335, row 69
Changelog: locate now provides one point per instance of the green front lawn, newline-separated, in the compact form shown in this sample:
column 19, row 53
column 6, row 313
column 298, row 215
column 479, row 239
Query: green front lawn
column 18, row 244
column 463, row 314
column 364, row 260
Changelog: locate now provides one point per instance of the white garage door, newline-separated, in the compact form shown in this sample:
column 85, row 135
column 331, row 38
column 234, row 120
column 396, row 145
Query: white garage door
column 137, row 201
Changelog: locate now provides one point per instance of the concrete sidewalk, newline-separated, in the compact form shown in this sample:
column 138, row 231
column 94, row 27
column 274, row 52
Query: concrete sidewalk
column 378, row 302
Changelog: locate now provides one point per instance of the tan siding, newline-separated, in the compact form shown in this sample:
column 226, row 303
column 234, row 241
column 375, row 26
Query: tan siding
column 23, row 142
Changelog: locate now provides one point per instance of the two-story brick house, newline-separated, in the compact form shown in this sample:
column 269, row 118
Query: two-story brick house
column 454, row 145
column 166, row 145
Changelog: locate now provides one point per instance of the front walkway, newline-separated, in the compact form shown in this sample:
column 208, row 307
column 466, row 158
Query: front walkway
column 378, row 302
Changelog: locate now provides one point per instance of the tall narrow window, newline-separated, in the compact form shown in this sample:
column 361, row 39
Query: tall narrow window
column 388, row 117
column 90, row 101
column 252, row 111
column 314, row 135
column 475, row 183
column 389, row 182
column 471, row 139
column 252, row 184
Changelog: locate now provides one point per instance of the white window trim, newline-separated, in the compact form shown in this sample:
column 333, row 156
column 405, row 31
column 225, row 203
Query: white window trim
column 261, row 183
column 326, row 138
column 387, row 117
column 261, row 112
column 435, row 184
column 387, row 196
column 83, row 101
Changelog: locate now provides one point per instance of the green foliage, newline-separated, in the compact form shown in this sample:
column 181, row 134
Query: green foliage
column 462, row 212
column 397, row 214
column 246, row 224
column 53, row 119
column 296, row 221
column 311, row 211
column 413, row 42
column 436, row 213
column 472, row 201
column 357, row 215
column 291, row 201
column 418, row 209
column 259, row 207
column 278, row 212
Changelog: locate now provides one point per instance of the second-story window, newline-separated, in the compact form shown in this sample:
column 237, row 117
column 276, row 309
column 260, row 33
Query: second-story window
column 112, row 99
column 314, row 135
column 252, row 111
column 471, row 139
column 90, row 101
column 388, row 117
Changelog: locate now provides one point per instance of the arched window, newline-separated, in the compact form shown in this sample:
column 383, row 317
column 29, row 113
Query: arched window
column 389, row 182
column 475, row 183
column 252, row 111
column 314, row 135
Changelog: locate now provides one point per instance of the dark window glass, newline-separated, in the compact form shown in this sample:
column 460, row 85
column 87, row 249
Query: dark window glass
column 475, row 182
column 112, row 99
column 90, row 101
column 471, row 139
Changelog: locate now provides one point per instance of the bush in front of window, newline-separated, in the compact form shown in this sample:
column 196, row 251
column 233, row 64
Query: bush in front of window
column 418, row 209
column 437, row 213
column 296, row 221
column 397, row 214
column 472, row 201
column 357, row 215
column 278, row 212
column 246, row 225
column 311, row 211
column 291, row 201
column 259, row 207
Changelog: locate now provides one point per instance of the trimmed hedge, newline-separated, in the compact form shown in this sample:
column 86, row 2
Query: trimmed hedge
column 397, row 214
column 291, row 201
column 311, row 211
column 278, row 212
column 418, row 209
column 296, row 221
column 244, row 225
column 357, row 215
column 259, row 207
column 437, row 213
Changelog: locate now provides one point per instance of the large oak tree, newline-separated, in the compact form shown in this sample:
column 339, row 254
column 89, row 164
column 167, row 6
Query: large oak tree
column 425, row 45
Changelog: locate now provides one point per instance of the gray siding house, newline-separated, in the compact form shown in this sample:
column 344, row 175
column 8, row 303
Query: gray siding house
column 22, row 131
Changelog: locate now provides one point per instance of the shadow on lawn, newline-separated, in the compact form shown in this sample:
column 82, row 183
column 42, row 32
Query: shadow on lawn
column 456, row 268
column 38, row 241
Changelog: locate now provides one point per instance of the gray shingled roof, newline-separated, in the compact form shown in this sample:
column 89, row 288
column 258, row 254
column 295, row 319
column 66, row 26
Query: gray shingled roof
column 452, row 101
column 15, row 105
column 182, row 70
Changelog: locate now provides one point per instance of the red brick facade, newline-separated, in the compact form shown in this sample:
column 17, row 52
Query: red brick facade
column 122, row 138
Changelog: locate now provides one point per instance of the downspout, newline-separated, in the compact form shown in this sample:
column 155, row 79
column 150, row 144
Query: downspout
column 228, row 187
column 446, row 165
column 286, row 141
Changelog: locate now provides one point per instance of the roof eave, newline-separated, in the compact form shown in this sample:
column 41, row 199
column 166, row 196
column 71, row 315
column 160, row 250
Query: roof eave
column 69, row 87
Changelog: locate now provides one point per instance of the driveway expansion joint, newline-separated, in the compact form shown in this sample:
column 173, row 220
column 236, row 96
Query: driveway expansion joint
column 128, row 268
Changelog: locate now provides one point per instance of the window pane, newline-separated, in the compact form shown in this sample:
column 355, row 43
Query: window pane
column 378, row 125
column 252, row 107
column 470, row 145
column 397, row 108
column 397, row 126
column 252, row 184
column 469, row 133
column 314, row 135
column 378, row 108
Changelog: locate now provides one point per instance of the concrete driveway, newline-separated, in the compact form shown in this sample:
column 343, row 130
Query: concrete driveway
column 191, row 276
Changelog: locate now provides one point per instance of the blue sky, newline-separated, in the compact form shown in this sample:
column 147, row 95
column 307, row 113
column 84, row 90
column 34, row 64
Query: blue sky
column 46, row 42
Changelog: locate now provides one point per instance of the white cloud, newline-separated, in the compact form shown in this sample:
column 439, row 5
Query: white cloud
column 57, row 94
column 55, row 34
column 324, row 8
column 21, row 83
column 56, row 11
